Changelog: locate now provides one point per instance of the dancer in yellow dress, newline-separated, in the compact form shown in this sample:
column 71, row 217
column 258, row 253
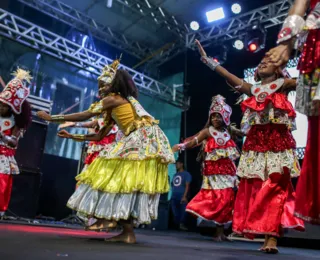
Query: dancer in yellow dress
column 125, row 181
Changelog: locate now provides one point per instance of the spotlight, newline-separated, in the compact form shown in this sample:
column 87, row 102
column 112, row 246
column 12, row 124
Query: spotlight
column 194, row 25
column 220, row 54
column 238, row 44
column 236, row 8
column 215, row 15
column 255, row 38
column 253, row 47
column 109, row 3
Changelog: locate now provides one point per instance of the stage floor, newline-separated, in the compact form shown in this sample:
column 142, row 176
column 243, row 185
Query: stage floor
column 35, row 242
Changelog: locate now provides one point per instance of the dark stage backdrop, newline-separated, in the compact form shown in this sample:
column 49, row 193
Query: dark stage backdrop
column 58, row 183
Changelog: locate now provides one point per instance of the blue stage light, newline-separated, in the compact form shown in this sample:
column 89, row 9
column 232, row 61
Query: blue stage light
column 194, row 25
column 215, row 15
column 236, row 8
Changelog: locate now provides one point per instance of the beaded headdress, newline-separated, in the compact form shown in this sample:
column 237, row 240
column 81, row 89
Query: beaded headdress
column 16, row 92
column 219, row 106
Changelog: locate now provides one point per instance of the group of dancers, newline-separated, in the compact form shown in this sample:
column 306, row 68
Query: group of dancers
column 127, row 165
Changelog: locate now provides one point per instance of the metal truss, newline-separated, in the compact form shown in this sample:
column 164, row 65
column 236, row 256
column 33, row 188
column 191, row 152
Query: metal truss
column 229, row 29
column 33, row 36
column 157, row 14
column 81, row 21
column 38, row 104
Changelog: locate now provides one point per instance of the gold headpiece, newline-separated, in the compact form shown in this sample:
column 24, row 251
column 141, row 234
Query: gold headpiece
column 109, row 71
column 22, row 75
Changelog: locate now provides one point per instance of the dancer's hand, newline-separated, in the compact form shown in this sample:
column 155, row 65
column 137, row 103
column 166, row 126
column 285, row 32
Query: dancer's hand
column 64, row 134
column 44, row 115
column 66, row 124
column 184, row 200
column 200, row 48
column 175, row 148
column 280, row 55
column 315, row 108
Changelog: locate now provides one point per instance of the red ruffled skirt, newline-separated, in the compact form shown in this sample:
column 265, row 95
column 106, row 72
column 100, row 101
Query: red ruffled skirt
column 308, row 187
column 5, row 191
column 265, row 206
column 215, row 200
column 106, row 140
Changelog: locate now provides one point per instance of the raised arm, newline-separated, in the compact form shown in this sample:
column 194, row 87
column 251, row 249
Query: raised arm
column 292, row 26
column 198, row 139
column 232, row 80
column 299, row 7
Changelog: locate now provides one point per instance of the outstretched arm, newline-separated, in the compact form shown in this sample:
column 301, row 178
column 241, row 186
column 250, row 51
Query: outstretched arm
column 203, row 135
column 94, row 110
column 90, row 124
column 232, row 80
column 90, row 137
column 76, row 117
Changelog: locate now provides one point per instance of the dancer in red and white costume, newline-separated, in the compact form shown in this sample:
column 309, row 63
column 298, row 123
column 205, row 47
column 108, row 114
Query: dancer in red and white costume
column 265, row 200
column 15, row 117
column 215, row 201
column 308, row 98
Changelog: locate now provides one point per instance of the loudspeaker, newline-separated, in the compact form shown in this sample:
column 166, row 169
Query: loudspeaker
column 162, row 223
column 31, row 147
column 25, row 194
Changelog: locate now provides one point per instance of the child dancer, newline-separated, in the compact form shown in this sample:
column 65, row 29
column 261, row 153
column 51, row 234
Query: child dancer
column 127, row 178
column 215, row 201
column 265, row 198
column 15, row 117
column 308, row 98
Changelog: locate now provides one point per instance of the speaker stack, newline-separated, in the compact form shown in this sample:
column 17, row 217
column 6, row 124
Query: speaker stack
column 26, row 185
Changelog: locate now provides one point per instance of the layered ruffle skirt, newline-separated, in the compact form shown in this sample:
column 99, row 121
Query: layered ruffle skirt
column 8, row 167
column 265, row 200
column 126, row 179
column 215, row 200
column 308, row 192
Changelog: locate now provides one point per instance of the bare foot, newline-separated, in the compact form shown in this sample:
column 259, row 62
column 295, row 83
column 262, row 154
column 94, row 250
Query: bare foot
column 102, row 224
column 225, row 238
column 263, row 248
column 271, row 247
column 217, row 239
column 128, row 238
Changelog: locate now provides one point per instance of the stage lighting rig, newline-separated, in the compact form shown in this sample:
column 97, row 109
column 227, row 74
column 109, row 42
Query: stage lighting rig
column 255, row 39
column 236, row 8
column 194, row 25
column 221, row 54
column 238, row 44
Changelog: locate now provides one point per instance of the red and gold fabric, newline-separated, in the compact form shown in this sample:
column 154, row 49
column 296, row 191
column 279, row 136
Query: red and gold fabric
column 308, row 96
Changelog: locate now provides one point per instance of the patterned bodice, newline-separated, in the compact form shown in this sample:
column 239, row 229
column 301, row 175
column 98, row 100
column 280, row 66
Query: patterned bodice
column 267, row 105
column 220, row 145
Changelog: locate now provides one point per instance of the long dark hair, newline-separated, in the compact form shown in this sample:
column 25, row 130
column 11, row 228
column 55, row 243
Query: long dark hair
column 24, row 119
column 123, row 85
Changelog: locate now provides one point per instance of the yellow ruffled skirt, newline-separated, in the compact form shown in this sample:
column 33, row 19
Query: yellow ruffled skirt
column 126, row 179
